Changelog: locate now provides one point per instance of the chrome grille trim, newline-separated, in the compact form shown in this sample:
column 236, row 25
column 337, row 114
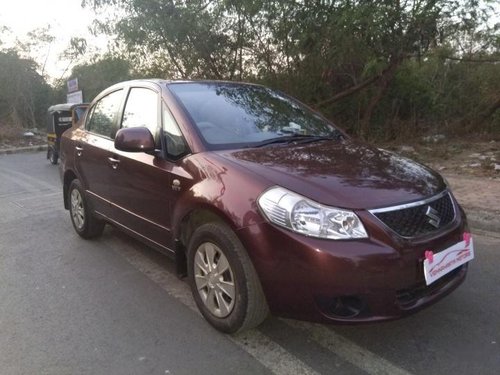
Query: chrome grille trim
column 409, row 205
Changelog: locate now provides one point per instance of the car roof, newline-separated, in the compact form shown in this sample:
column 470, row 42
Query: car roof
column 161, row 81
column 63, row 107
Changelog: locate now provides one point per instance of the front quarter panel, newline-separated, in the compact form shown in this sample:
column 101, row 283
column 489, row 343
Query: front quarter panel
column 222, row 188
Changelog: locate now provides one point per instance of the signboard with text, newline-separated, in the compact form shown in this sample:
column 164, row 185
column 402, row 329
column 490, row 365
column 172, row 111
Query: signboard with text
column 75, row 97
column 72, row 85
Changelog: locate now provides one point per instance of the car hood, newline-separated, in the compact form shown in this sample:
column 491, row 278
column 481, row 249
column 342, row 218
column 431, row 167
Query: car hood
column 345, row 174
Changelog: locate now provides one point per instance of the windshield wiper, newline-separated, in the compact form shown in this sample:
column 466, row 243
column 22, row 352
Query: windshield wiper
column 299, row 138
column 316, row 138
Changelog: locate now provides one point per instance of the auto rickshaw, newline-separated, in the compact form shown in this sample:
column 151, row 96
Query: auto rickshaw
column 60, row 118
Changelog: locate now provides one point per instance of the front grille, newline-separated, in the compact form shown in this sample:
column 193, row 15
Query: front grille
column 414, row 221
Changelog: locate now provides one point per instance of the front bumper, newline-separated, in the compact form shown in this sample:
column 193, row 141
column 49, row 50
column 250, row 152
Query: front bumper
column 373, row 279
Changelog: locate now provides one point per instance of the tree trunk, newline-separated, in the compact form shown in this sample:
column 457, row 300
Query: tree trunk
column 491, row 110
column 382, row 86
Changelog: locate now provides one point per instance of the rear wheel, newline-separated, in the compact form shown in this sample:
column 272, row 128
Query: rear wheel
column 85, row 224
column 52, row 156
column 223, row 281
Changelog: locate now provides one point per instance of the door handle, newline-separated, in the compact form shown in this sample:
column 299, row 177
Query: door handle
column 114, row 162
column 79, row 150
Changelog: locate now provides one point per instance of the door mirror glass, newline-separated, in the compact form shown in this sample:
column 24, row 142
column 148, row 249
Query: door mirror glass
column 137, row 139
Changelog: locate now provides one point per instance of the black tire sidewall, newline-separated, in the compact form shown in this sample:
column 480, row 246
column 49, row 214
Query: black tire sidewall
column 75, row 184
column 215, row 234
column 92, row 226
column 53, row 157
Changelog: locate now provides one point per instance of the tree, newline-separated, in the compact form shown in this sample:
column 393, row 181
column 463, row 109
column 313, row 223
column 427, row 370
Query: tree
column 24, row 94
column 76, row 49
column 93, row 77
column 342, row 56
column 201, row 39
column 36, row 45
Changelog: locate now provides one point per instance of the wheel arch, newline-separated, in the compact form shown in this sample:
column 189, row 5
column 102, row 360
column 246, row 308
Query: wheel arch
column 68, row 177
column 191, row 220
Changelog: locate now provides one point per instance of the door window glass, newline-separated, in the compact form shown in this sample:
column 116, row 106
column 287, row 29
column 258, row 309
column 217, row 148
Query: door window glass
column 141, row 109
column 103, row 118
column 176, row 146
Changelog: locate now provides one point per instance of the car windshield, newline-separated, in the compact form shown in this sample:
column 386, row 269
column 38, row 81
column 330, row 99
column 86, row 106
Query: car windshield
column 232, row 115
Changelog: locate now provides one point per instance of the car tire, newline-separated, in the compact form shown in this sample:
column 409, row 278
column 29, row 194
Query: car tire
column 223, row 281
column 52, row 156
column 84, row 222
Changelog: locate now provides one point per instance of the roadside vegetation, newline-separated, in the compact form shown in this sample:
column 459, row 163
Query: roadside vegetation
column 385, row 70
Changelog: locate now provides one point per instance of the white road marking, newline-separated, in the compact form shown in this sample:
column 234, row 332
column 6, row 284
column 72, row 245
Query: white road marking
column 348, row 350
column 270, row 354
column 27, row 183
column 39, row 201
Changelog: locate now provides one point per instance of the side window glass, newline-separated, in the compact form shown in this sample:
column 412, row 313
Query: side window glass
column 176, row 146
column 141, row 110
column 103, row 118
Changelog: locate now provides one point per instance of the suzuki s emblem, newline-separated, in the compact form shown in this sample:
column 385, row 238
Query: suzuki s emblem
column 433, row 216
column 176, row 185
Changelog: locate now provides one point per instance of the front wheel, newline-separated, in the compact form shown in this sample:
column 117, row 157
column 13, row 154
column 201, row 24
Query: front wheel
column 84, row 222
column 223, row 281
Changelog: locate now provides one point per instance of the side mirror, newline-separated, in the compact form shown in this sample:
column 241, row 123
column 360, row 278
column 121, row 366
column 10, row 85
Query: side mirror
column 134, row 140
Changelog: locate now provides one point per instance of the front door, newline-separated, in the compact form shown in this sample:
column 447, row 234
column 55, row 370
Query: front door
column 141, row 182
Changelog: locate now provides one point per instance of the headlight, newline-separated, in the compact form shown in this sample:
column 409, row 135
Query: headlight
column 295, row 212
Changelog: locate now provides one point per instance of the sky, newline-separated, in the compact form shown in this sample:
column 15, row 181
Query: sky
column 66, row 19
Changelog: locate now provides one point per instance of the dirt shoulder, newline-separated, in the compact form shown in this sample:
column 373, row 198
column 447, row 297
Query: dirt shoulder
column 472, row 168
column 469, row 158
column 462, row 158
column 14, row 138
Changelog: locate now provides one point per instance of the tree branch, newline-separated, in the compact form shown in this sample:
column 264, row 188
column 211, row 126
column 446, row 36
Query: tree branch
column 352, row 90
column 465, row 59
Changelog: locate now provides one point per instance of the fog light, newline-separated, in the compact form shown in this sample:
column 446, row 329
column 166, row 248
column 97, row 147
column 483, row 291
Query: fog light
column 346, row 307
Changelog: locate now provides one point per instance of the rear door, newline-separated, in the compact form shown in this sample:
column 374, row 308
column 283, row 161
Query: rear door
column 92, row 149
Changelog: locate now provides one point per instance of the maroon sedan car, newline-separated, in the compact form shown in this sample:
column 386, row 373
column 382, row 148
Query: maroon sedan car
column 264, row 204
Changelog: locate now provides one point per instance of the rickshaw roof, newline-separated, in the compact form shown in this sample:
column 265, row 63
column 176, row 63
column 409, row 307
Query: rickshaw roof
column 63, row 107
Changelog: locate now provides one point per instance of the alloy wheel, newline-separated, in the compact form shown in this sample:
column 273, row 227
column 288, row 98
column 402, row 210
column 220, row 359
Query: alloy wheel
column 214, row 280
column 77, row 209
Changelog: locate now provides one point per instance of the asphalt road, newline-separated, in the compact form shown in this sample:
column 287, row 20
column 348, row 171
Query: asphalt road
column 113, row 306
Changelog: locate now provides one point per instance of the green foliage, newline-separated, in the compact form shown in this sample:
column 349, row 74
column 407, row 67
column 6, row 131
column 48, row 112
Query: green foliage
column 24, row 94
column 374, row 66
column 379, row 68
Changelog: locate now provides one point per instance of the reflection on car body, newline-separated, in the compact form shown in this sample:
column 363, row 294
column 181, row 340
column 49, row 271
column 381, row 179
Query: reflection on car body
column 263, row 203
column 61, row 117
